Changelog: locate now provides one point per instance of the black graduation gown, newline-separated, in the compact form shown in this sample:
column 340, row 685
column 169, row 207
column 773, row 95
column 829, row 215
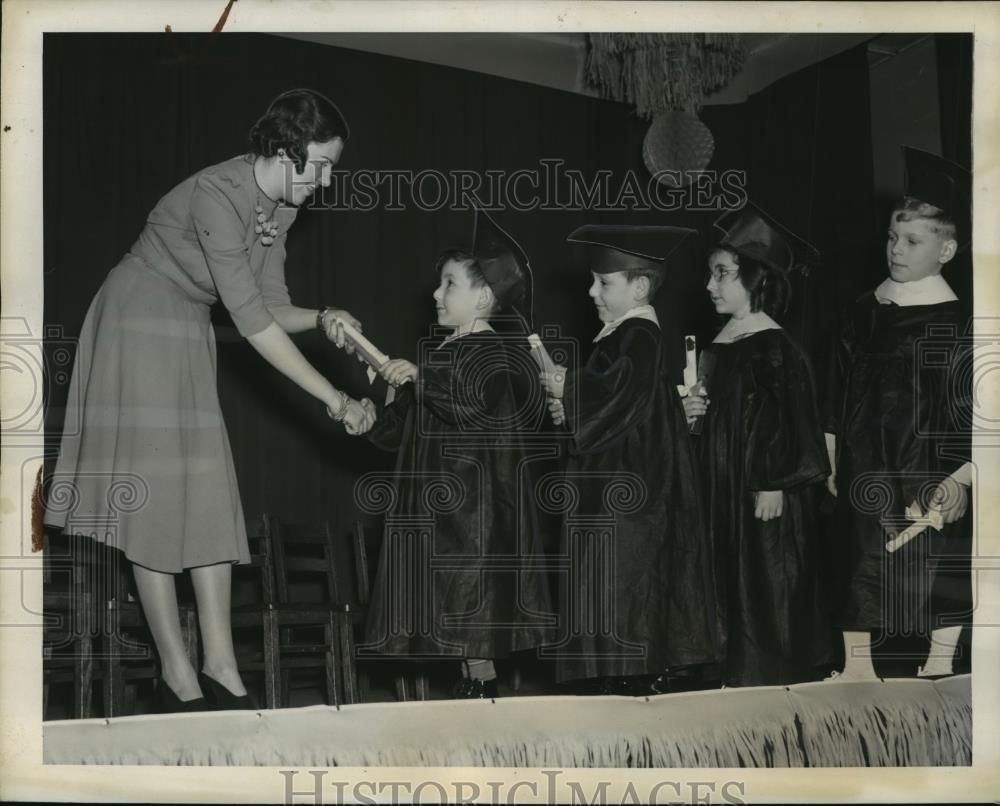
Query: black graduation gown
column 762, row 432
column 457, row 575
column 637, row 596
column 902, row 379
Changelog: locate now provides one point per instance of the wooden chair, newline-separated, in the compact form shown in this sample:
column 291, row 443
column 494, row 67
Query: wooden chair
column 259, row 615
column 409, row 686
column 313, row 630
column 68, row 647
column 68, row 626
column 89, row 583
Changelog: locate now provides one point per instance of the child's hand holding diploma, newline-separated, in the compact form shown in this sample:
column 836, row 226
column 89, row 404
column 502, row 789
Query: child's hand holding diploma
column 554, row 381
column 695, row 403
column 398, row 371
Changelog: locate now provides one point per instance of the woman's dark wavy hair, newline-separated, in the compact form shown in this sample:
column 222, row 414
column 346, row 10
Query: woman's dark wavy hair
column 769, row 289
column 292, row 121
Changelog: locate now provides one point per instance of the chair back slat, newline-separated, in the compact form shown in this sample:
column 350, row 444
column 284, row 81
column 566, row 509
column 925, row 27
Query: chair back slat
column 361, row 563
column 260, row 540
column 304, row 549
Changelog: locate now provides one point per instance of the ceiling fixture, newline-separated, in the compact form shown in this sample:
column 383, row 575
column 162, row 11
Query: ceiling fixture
column 667, row 77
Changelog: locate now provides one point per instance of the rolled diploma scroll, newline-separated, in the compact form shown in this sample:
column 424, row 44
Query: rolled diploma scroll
column 541, row 355
column 690, row 362
column 374, row 357
column 690, row 366
column 920, row 522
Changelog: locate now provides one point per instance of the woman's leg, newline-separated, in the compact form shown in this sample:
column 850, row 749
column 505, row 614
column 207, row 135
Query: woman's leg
column 158, row 596
column 213, row 592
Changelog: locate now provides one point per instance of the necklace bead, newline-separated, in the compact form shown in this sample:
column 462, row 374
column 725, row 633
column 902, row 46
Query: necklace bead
column 266, row 228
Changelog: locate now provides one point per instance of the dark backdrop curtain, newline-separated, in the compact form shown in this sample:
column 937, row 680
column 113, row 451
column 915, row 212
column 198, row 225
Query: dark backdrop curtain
column 954, row 66
column 129, row 116
column 805, row 143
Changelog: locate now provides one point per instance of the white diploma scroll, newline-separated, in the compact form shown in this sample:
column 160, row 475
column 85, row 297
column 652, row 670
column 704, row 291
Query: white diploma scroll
column 538, row 350
column 690, row 362
column 374, row 357
column 690, row 366
column 542, row 358
column 920, row 522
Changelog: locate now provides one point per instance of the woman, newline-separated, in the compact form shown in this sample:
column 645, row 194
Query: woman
column 145, row 381
column 762, row 453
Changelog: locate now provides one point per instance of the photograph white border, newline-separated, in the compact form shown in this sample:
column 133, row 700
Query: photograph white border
column 22, row 774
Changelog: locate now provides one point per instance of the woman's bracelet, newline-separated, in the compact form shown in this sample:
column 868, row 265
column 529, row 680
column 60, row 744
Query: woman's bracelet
column 341, row 413
column 319, row 317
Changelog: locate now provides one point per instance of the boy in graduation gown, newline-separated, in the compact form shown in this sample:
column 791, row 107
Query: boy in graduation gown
column 900, row 434
column 639, row 595
column 459, row 575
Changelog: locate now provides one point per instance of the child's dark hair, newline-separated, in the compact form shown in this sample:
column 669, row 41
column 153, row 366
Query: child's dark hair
column 292, row 121
column 477, row 277
column 910, row 209
column 653, row 275
column 769, row 289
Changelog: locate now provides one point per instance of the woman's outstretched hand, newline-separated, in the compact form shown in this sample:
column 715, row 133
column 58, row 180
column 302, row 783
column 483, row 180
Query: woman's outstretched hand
column 398, row 371
column 769, row 505
column 333, row 320
column 359, row 417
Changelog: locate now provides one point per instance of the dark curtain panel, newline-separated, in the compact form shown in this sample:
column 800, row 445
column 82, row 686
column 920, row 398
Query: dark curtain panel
column 954, row 66
column 129, row 116
column 805, row 143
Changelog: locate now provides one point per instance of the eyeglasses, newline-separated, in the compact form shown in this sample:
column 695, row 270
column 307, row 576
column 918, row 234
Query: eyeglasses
column 720, row 274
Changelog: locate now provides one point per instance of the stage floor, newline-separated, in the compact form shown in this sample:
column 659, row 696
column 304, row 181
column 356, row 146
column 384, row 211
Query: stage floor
column 896, row 722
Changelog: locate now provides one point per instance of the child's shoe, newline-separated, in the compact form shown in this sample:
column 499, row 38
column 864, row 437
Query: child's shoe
column 468, row 689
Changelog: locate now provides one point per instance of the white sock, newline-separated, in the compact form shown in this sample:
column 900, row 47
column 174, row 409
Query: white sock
column 941, row 655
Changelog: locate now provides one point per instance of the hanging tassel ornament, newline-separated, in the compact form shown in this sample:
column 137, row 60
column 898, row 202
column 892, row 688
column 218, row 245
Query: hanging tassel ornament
column 266, row 228
column 658, row 72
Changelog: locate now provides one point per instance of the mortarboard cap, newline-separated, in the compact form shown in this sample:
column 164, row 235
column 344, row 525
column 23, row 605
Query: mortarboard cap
column 504, row 264
column 753, row 233
column 620, row 247
column 941, row 183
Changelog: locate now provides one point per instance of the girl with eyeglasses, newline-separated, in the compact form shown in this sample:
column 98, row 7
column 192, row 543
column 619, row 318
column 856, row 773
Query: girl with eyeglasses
column 763, row 460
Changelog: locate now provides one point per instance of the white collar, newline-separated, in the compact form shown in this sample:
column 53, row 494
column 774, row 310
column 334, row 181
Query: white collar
column 930, row 290
column 478, row 326
column 639, row 312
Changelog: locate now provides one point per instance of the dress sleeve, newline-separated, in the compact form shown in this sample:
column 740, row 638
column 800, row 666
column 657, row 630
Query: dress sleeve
column 221, row 234
column 785, row 444
column 272, row 280
column 615, row 392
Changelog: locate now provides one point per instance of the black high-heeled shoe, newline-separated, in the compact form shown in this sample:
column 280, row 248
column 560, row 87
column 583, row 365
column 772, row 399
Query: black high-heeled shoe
column 170, row 703
column 221, row 698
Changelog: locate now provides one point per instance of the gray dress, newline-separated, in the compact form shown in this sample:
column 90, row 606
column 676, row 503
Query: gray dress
column 145, row 463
